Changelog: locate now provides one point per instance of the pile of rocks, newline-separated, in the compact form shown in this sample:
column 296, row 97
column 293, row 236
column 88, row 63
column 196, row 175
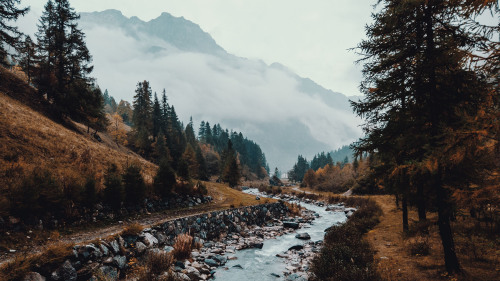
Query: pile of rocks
column 240, row 228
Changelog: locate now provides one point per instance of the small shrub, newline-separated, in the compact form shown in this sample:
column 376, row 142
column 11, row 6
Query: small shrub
column 133, row 229
column 159, row 262
column 419, row 246
column 293, row 209
column 185, row 188
column 183, row 246
column 202, row 189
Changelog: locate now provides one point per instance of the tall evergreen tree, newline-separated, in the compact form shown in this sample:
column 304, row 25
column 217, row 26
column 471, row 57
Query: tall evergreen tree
column 418, row 89
column 27, row 57
column 230, row 171
column 142, row 117
column 164, row 180
column 133, row 185
column 9, row 34
column 157, row 117
column 64, row 59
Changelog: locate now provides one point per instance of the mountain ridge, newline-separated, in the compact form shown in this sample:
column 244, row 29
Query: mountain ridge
column 271, row 104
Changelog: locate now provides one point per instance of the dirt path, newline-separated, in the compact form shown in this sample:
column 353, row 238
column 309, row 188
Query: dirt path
column 223, row 198
column 99, row 232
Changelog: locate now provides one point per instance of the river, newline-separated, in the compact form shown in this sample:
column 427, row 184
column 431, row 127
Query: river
column 259, row 264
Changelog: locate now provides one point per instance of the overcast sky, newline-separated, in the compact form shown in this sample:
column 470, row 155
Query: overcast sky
column 312, row 38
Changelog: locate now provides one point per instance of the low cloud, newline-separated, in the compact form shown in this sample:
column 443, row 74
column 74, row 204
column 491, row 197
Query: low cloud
column 246, row 94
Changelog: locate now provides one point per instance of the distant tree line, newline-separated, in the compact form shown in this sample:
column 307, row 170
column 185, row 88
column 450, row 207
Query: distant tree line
column 250, row 154
column 159, row 135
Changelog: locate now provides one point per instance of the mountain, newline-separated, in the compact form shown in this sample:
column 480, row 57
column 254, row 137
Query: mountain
column 283, row 112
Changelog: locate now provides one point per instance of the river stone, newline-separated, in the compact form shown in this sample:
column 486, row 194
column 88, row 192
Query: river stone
column 33, row 276
column 110, row 273
column 168, row 249
column 180, row 264
column 104, row 249
column 114, row 247
column 291, row 224
column 65, row 273
column 258, row 245
column 211, row 262
column 140, row 247
column 303, row 236
column 120, row 261
column 149, row 239
column 220, row 259
column 193, row 273
column 296, row 247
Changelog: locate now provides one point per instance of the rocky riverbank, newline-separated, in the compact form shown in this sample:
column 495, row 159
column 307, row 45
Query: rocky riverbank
column 221, row 235
column 113, row 258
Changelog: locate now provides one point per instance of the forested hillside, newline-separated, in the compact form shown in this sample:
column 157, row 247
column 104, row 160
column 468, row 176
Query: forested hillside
column 80, row 150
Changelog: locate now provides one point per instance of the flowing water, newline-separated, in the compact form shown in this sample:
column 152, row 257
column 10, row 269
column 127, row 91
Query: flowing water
column 258, row 264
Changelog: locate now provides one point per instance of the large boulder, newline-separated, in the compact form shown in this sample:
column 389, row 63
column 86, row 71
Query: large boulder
column 108, row 272
column 296, row 247
column 120, row 261
column 33, row 276
column 149, row 239
column 291, row 224
column 65, row 273
column 303, row 236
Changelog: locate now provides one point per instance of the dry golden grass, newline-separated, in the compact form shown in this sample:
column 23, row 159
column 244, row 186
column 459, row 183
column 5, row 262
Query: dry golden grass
column 396, row 261
column 29, row 140
column 293, row 209
column 53, row 256
column 183, row 246
column 225, row 197
column 132, row 229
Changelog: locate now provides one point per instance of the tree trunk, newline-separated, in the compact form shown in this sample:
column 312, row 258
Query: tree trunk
column 444, row 212
column 422, row 216
column 405, row 212
column 444, row 209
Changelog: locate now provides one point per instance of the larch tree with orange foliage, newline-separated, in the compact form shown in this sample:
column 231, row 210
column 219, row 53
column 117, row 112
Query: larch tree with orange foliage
column 117, row 129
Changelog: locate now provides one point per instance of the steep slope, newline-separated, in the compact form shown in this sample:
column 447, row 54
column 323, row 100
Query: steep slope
column 29, row 139
column 285, row 113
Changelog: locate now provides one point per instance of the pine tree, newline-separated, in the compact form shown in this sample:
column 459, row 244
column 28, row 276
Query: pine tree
column 157, row 117
column 164, row 180
column 133, row 185
column 230, row 171
column 9, row 34
column 419, row 88
column 27, row 57
column 189, row 132
column 113, row 193
column 201, row 132
column 64, row 59
column 142, row 117
column 189, row 156
column 202, row 165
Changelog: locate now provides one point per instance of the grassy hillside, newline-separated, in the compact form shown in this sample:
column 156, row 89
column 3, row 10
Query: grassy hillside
column 29, row 139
